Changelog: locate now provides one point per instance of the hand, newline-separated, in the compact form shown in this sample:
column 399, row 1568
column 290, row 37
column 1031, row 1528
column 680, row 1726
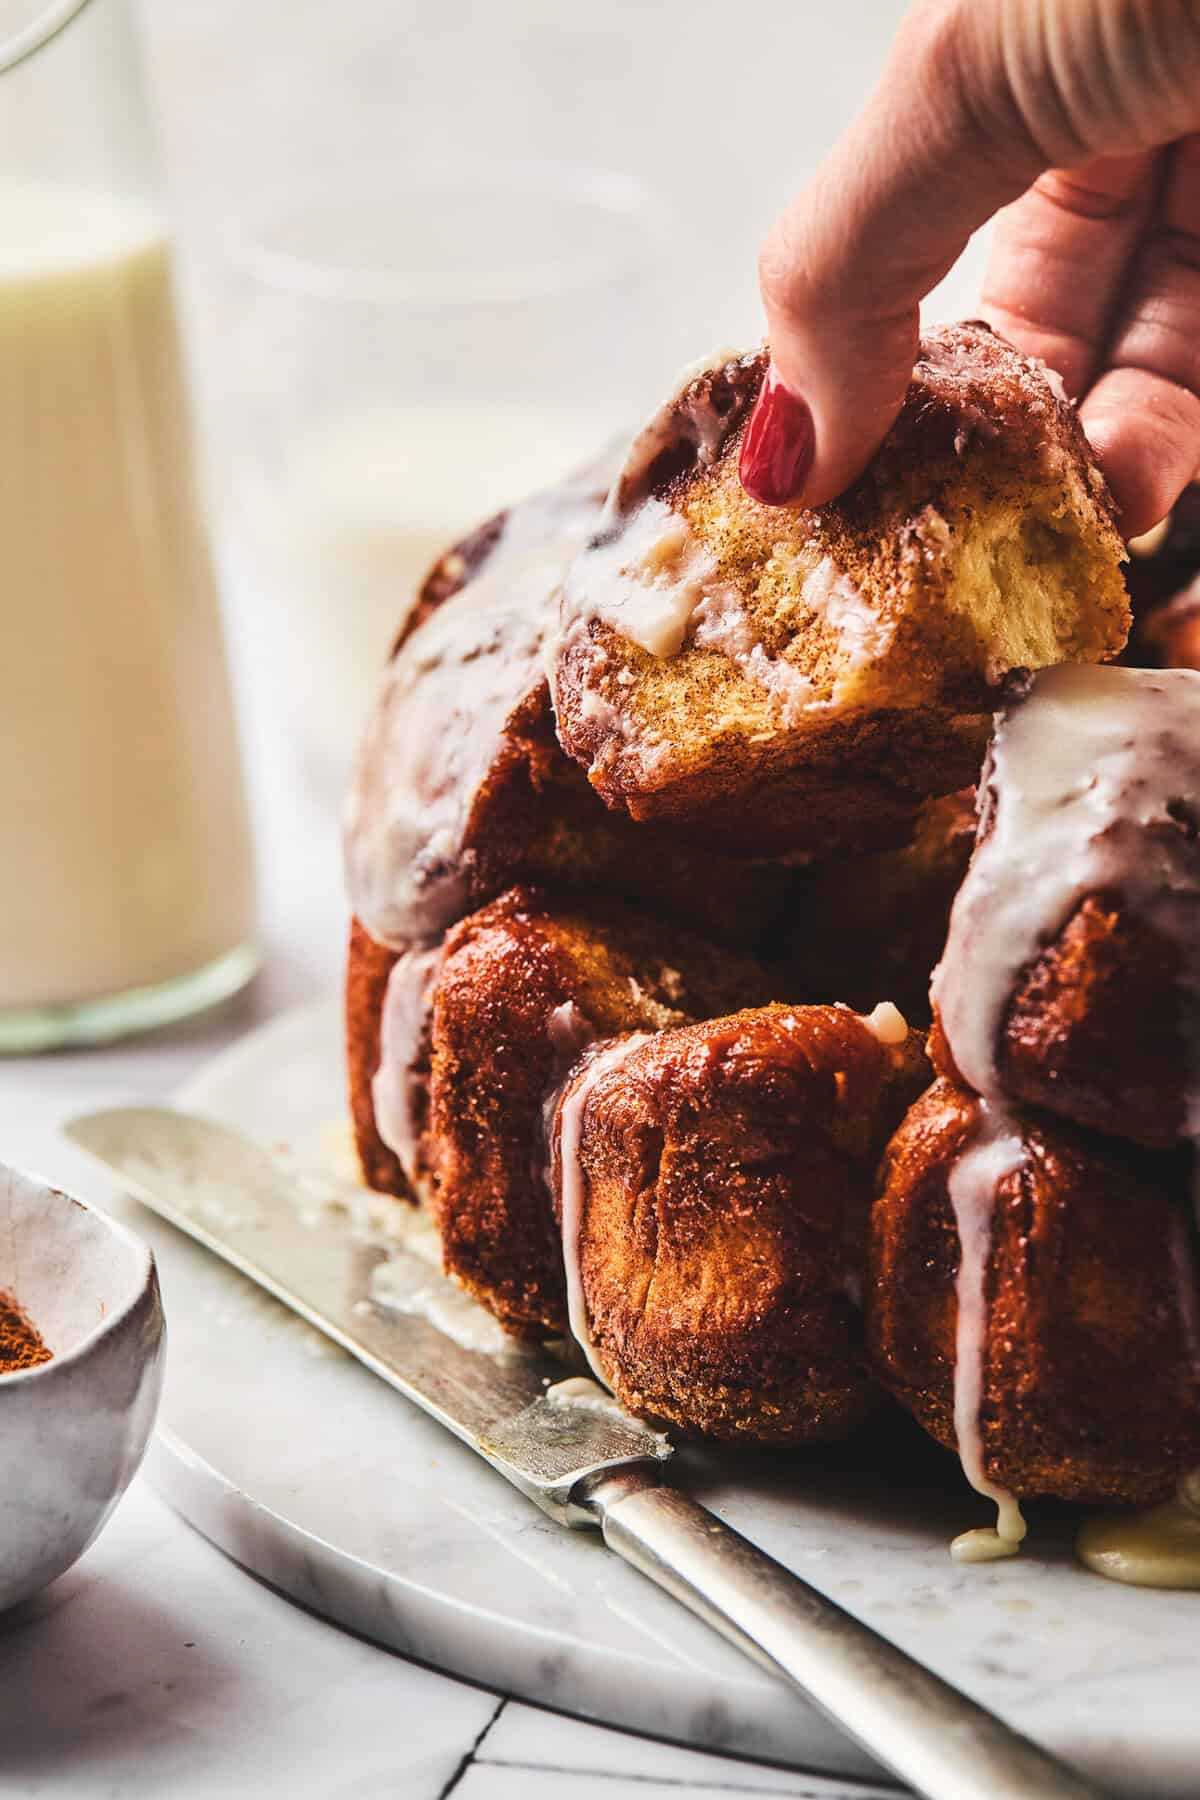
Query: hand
column 1072, row 120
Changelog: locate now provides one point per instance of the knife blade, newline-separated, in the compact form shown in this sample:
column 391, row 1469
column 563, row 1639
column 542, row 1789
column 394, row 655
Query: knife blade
column 583, row 1464
column 242, row 1203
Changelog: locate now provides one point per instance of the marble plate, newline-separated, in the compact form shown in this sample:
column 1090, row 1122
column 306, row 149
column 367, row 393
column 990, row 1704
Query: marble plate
column 308, row 1471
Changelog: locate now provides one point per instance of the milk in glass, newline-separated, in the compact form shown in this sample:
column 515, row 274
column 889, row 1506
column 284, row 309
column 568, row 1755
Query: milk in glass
column 126, row 860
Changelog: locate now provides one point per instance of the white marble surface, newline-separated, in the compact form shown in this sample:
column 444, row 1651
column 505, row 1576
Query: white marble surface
column 158, row 1668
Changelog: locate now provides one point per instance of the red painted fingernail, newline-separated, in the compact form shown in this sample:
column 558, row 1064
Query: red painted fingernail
column 777, row 450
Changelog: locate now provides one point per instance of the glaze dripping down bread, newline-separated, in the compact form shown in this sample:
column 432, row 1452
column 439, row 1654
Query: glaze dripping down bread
column 652, row 846
column 713, row 1183
column 1071, row 974
column 1083, row 1362
column 1069, row 983
column 461, row 787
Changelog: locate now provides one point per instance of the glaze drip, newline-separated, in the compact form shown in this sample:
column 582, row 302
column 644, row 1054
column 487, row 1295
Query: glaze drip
column 995, row 1152
column 1081, row 795
column 396, row 1089
column 573, row 1181
column 1158, row 1547
column 446, row 699
column 1080, row 792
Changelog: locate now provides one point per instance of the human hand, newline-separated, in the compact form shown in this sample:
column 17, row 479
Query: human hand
column 1072, row 119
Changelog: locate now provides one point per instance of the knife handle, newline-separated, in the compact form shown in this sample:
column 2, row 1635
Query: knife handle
column 943, row 1744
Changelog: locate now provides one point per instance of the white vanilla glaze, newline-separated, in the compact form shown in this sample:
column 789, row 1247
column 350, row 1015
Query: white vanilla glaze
column 440, row 717
column 648, row 578
column 1157, row 1547
column 995, row 1151
column 695, row 422
column 645, row 581
column 573, row 1183
column 839, row 601
column 410, row 1281
column 722, row 623
column 586, row 1395
column 403, row 1024
column 887, row 1023
column 1082, row 771
column 983, row 1545
column 570, row 1032
column 1077, row 773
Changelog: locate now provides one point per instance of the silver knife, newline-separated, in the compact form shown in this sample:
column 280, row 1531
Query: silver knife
column 583, row 1466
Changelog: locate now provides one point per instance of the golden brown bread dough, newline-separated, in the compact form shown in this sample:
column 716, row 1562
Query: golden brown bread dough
column 1100, row 1028
column 833, row 665
column 1070, row 978
column 524, row 984
column 727, row 1170
column 870, row 928
column 1091, row 1391
column 368, row 966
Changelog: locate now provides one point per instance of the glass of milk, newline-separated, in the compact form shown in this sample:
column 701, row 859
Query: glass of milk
column 127, row 890
column 414, row 347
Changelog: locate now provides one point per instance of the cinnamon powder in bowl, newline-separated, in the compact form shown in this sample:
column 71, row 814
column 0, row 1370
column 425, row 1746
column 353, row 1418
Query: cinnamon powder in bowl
column 20, row 1345
column 81, row 1340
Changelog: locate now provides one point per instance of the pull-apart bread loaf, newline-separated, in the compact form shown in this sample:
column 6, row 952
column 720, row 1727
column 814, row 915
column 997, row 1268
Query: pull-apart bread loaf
column 784, row 679
column 601, row 947
column 689, row 1200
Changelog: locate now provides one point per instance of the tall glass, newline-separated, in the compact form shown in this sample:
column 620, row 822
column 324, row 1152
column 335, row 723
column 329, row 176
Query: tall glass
column 126, row 897
column 413, row 348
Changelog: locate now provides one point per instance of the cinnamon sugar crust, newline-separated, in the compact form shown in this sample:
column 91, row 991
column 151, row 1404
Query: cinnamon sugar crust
column 1095, row 1016
column 728, row 1168
column 1100, row 1027
column 525, row 984
column 1090, row 1392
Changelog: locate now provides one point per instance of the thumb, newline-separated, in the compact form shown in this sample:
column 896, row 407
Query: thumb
column 970, row 110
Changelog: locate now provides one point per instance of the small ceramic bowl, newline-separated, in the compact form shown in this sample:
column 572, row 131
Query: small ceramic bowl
column 72, row 1430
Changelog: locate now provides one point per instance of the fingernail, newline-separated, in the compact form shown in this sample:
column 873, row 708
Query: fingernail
column 777, row 450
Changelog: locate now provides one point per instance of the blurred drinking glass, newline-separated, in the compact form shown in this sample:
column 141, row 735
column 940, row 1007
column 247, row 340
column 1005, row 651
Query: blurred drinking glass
column 417, row 348
column 127, row 895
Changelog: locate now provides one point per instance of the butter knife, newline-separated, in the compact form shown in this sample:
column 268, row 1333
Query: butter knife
column 583, row 1465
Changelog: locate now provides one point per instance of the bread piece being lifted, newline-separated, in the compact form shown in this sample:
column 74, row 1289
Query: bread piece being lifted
column 785, row 679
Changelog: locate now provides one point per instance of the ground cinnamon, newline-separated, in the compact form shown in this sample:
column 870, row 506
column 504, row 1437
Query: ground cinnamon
column 20, row 1345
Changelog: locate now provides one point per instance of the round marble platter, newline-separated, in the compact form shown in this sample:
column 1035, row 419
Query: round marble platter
column 318, row 1478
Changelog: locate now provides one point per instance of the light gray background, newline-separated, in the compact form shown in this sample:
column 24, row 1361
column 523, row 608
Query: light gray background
column 725, row 107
